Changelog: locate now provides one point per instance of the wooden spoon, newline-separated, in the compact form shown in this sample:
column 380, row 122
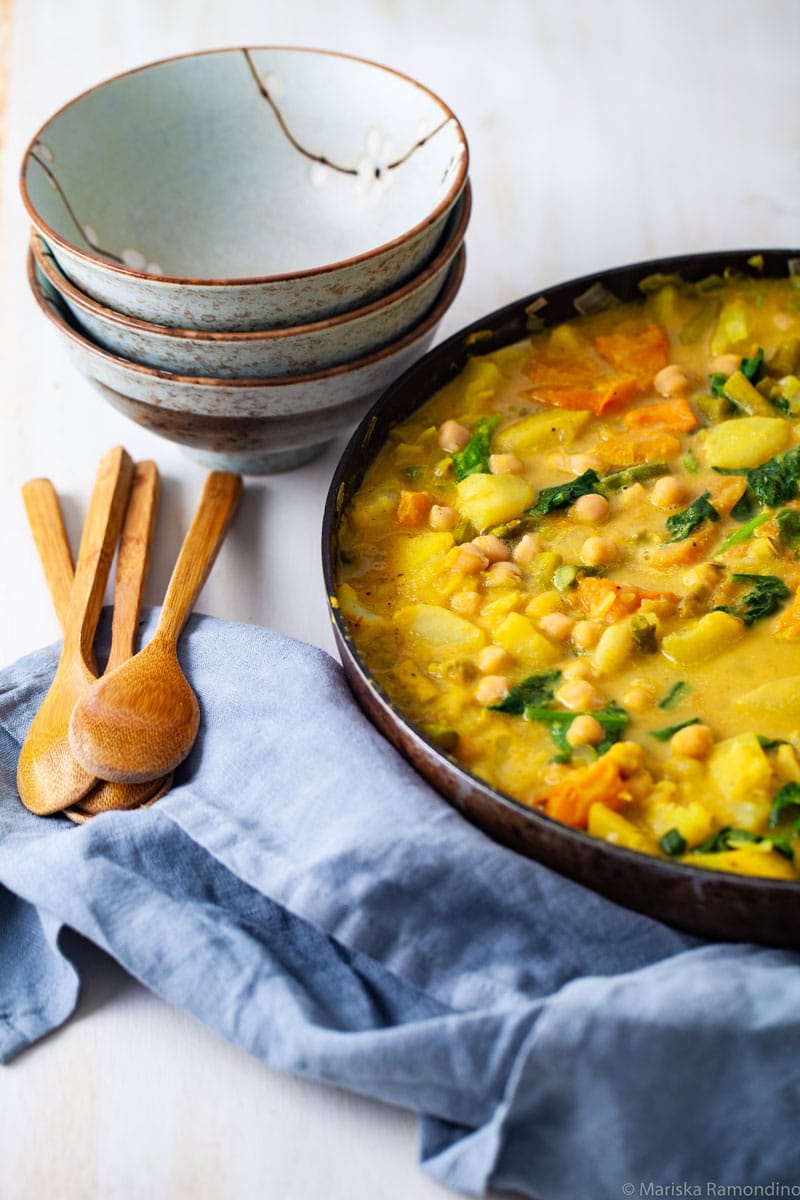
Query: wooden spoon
column 133, row 560
column 141, row 720
column 51, row 541
column 48, row 777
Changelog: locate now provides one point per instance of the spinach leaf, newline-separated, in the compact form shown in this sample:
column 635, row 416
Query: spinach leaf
column 613, row 719
column 767, row 743
column 743, row 508
column 474, row 458
column 565, row 493
column 787, row 797
column 789, row 528
column 752, row 368
column 775, row 481
column 537, row 689
column 682, row 524
column 673, row 843
column 675, row 694
column 767, row 595
column 663, row 735
column 734, row 839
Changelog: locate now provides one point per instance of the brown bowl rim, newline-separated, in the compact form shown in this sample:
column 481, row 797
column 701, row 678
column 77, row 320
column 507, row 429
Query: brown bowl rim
column 455, row 276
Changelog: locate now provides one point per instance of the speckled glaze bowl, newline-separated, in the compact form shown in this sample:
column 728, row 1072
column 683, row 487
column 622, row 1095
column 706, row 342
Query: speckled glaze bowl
column 245, row 188
column 712, row 904
column 296, row 349
column 253, row 426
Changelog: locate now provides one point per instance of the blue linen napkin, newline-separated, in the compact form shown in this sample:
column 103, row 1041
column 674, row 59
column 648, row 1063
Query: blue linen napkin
column 307, row 895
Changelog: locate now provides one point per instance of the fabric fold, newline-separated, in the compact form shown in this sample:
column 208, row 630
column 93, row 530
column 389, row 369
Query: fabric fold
column 307, row 895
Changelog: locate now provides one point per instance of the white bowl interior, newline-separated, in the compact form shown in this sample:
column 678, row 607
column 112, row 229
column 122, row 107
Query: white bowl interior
column 214, row 165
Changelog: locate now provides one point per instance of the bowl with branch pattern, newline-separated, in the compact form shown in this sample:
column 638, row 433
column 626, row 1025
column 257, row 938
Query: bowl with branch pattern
column 247, row 188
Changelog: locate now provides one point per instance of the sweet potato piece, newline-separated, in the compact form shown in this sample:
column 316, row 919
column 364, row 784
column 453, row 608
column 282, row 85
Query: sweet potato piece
column 625, row 450
column 605, row 600
column 607, row 393
column 787, row 624
column 641, row 353
column 676, row 415
column 726, row 492
column 413, row 508
column 570, row 800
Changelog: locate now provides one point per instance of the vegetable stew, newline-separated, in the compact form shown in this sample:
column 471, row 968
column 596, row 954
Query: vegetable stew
column 575, row 568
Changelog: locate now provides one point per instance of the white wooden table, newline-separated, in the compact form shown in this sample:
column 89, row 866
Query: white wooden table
column 600, row 133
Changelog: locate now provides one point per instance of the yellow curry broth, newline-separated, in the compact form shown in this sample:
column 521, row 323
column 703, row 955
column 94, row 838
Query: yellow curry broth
column 620, row 602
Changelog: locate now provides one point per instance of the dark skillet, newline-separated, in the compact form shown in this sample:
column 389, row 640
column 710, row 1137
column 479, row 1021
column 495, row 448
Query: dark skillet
column 712, row 903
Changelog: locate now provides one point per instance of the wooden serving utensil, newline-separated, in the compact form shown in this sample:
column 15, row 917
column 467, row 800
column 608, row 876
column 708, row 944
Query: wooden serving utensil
column 51, row 541
column 133, row 560
column 48, row 777
column 140, row 720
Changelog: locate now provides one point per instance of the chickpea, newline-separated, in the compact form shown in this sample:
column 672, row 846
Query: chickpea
column 557, row 626
column 578, row 463
column 694, row 741
column 590, row 509
column 442, row 518
column 453, row 436
column 493, row 660
column 667, row 492
column 468, row 604
column 726, row 364
column 586, row 634
column 585, row 731
column 628, row 756
column 492, row 689
column 599, row 551
column 526, row 549
column 671, row 380
column 503, row 572
column 579, row 694
column 629, row 497
column 638, row 698
column 578, row 669
column 704, row 577
column 505, row 464
column 470, row 559
column 494, row 549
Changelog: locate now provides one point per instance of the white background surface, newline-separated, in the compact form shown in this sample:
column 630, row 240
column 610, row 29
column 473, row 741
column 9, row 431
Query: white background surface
column 601, row 132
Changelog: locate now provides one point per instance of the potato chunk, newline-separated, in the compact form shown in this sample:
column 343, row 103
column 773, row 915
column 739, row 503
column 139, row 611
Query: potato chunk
column 775, row 705
column 740, row 772
column 542, row 431
column 703, row 639
column 746, row 442
column 488, row 500
column 438, row 632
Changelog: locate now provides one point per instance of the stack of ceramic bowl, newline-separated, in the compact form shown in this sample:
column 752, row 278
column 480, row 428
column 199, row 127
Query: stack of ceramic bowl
column 243, row 248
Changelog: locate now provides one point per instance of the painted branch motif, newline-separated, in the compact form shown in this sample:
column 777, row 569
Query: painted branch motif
column 378, row 168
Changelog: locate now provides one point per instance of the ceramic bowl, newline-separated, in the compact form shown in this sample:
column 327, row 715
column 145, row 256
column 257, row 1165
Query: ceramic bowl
column 245, row 188
column 712, row 904
column 253, row 426
column 299, row 348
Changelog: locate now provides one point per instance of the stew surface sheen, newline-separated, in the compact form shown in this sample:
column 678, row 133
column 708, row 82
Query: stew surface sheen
column 576, row 569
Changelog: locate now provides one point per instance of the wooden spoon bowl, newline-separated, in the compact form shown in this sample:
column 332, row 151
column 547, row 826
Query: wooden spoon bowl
column 140, row 721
